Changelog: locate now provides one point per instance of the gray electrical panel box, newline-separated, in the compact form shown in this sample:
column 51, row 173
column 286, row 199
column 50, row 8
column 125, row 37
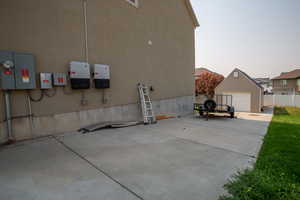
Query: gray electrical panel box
column 46, row 80
column 21, row 74
column 25, row 71
column 7, row 75
column 59, row 79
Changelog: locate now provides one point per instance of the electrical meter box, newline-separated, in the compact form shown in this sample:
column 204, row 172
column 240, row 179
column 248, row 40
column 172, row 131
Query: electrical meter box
column 59, row 79
column 46, row 80
column 17, row 71
column 7, row 73
column 80, row 75
column 101, row 76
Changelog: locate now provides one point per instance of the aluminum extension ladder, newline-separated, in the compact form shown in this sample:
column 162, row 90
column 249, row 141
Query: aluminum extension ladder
column 146, row 104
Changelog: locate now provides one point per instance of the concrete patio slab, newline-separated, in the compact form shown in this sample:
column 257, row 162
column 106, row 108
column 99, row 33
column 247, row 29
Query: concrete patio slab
column 187, row 158
column 161, row 167
column 45, row 169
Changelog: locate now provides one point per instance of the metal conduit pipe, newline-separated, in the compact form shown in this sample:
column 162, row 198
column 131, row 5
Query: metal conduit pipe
column 85, row 31
column 10, row 137
column 83, row 97
column 29, row 112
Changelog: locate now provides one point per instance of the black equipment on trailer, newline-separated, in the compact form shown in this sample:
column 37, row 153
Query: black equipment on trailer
column 220, row 104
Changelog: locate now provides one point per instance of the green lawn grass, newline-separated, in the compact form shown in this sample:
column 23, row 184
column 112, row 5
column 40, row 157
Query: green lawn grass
column 276, row 174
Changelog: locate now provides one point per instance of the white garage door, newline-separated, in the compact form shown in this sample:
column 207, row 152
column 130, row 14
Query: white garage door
column 241, row 101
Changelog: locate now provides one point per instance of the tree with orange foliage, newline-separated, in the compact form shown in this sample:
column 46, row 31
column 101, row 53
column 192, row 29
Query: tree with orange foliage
column 207, row 82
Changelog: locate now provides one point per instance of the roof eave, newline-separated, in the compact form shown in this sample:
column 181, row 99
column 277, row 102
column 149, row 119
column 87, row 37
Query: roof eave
column 284, row 78
column 249, row 78
column 192, row 13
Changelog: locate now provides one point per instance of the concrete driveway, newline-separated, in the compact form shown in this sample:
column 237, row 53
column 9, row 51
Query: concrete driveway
column 187, row 158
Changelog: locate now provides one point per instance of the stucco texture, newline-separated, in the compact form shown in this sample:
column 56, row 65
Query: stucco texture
column 118, row 35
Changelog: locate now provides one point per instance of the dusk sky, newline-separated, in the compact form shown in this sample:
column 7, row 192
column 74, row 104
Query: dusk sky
column 261, row 37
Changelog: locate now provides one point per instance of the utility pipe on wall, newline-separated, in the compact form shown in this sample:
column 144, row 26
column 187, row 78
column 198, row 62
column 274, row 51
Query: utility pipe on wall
column 29, row 111
column 83, row 97
column 85, row 31
column 8, row 116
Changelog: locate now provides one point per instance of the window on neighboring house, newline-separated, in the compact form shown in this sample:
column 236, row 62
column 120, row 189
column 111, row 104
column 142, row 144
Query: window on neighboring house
column 235, row 74
column 284, row 82
column 135, row 3
column 298, row 82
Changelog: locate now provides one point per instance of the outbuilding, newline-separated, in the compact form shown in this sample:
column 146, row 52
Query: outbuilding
column 247, row 95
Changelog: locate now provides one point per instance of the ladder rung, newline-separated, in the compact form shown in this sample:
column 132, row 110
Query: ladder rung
column 146, row 104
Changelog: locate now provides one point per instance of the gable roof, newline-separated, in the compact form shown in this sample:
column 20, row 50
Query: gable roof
column 288, row 75
column 248, row 77
column 201, row 70
column 192, row 13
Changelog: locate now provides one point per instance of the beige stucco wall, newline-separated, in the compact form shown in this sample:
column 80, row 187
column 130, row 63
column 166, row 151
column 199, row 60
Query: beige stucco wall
column 118, row 36
column 242, row 85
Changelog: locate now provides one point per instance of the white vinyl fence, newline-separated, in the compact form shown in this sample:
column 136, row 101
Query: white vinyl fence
column 282, row 100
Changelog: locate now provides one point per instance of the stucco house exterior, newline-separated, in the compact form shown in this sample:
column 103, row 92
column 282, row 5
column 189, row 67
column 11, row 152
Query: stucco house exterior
column 247, row 95
column 147, row 41
column 287, row 83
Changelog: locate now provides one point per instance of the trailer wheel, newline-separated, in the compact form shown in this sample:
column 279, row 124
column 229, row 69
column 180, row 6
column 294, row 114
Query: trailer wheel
column 232, row 115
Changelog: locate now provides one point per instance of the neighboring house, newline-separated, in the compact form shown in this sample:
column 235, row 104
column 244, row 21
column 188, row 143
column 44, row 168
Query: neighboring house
column 201, row 70
column 287, row 83
column 247, row 95
column 265, row 83
column 147, row 41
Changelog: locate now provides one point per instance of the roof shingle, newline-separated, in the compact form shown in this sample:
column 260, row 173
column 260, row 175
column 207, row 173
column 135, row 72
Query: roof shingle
column 288, row 75
column 201, row 70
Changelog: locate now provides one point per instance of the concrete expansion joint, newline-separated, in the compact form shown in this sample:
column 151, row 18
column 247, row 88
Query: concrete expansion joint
column 97, row 168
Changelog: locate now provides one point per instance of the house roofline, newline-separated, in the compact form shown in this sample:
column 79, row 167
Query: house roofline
column 192, row 13
column 278, row 78
column 247, row 77
column 207, row 70
column 294, row 74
